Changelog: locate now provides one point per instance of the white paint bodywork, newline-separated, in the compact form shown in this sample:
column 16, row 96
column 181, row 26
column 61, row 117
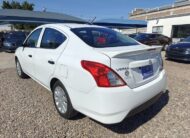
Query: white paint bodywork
column 107, row 105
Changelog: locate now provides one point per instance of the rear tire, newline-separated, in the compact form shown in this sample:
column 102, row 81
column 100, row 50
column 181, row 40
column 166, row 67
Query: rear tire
column 19, row 70
column 62, row 101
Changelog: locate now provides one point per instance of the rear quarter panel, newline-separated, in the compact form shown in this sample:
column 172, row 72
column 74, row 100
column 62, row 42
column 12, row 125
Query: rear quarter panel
column 69, row 68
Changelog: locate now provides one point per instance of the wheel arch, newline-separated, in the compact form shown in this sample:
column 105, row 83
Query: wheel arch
column 52, row 82
column 16, row 58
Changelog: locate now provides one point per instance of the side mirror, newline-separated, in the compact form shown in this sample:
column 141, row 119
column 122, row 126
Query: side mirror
column 24, row 45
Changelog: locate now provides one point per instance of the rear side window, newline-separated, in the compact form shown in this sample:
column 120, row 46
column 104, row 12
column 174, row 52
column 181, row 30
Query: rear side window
column 33, row 38
column 52, row 39
column 103, row 37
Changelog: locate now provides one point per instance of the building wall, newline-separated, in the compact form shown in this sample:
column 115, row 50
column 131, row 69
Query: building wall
column 167, row 24
column 160, row 13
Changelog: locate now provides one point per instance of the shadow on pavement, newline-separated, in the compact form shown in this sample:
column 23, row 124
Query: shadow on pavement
column 132, row 123
column 78, row 117
column 1, row 49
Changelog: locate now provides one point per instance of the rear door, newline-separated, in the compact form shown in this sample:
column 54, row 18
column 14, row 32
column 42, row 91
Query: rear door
column 51, row 46
column 28, row 52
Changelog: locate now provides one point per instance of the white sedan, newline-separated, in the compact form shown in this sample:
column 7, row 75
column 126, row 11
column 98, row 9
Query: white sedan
column 93, row 70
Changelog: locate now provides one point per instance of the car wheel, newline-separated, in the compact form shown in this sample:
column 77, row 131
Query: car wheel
column 62, row 101
column 19, row 70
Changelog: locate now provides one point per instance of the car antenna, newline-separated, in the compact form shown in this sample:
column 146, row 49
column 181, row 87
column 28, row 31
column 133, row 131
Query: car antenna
column 91, row 22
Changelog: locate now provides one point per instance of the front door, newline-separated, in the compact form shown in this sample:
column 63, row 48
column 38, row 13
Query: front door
column 28, row 52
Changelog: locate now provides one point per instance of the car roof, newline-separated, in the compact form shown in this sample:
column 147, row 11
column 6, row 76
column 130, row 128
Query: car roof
column 72, row 25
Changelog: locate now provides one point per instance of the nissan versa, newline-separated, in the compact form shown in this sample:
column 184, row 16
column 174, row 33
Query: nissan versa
column 93, row 70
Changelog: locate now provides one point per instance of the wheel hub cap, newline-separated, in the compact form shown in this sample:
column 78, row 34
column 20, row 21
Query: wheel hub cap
column 18, row 69
column 60, row 99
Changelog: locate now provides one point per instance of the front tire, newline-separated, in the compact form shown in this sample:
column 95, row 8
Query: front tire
column 62, row 101
column 19, row 70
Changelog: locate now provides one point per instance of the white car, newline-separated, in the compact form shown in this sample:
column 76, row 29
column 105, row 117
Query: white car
column 93, row 70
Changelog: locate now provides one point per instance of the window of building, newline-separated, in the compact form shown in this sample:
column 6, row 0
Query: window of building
column 180, row 31
column 52, row 39
column 157, row 29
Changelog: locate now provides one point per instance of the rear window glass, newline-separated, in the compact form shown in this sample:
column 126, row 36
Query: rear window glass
column 103, row 37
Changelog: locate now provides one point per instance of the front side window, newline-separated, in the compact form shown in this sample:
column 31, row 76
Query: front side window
column 33, row 38
column 103, row 37
column 52, row 39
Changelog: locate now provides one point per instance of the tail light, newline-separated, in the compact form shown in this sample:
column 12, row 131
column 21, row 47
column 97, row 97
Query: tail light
column 103, row 75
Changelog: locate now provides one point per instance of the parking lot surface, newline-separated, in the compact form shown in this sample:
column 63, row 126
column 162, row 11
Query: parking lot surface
column 27, row 110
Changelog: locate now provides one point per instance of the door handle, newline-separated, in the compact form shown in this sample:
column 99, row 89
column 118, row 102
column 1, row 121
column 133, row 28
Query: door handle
column 51, row 62
column 30, row 56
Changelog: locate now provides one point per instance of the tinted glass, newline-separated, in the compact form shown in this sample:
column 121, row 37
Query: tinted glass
column 141, row 36
column 186, row 39
column 103, row 37
column 153, row 36
column 132, row 35
column 33, row 38
column 52, row 39
column 15, row 35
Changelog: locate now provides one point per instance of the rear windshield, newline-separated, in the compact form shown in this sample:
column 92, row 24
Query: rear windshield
column 103, row 37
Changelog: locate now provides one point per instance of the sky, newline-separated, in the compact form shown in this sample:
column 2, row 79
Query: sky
column 101, row 9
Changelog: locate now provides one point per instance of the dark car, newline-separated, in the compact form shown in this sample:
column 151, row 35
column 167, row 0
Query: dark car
column 179, row 51
column 13, row 40
column 1, row 39
column 132, row 35
column 153, row 39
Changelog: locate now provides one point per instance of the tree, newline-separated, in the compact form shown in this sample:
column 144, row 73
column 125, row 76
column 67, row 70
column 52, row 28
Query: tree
column 17, row 5
column 27, row 6
column 6, row 5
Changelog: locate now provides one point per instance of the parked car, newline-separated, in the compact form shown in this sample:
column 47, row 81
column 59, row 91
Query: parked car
column 13, row 40
column 153, row 39
column 179, row 51
column 133, row 35
column 1, row 39
column 93, row 70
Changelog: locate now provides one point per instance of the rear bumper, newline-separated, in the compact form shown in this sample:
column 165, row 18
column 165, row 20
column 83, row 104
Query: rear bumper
column 182, row 56
column 113, row 105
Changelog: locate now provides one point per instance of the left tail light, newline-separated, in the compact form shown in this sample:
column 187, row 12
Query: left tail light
column 103, row 75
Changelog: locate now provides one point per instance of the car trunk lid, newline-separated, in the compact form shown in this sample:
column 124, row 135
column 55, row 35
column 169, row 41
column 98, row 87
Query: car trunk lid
column 137, row 65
